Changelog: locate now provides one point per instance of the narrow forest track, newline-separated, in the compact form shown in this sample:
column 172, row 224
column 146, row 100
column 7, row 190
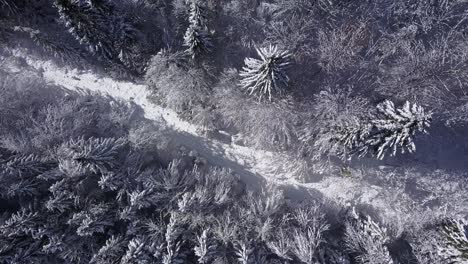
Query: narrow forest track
column 255, row 167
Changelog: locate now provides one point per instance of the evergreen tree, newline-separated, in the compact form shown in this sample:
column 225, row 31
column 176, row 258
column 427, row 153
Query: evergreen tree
column 204, row 250
column 197, row 38
column 91, row 155
column 281, row 245
column 87, row 24
column 57, row 48
column 266, row 76
column 455, row 246
column 390, row 130
column 111, row 252
column 395, row 128
column 8, row 5
column 367, row 240
column 99, row 26
column 343, row 139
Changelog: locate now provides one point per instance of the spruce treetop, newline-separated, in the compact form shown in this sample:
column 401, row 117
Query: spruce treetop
column 266, row 76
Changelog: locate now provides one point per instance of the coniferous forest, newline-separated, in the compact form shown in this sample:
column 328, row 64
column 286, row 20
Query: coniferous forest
column 234, row 131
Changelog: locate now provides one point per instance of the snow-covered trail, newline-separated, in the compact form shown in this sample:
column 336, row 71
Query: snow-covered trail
column 254, row 166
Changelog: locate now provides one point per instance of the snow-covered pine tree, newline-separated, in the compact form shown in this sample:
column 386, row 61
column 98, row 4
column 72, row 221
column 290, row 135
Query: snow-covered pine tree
column 111, row 252
column 455, row 246
column 389, row 130
column 197, row 16
column 367, row 240
column 87, row 25
column 90, row 155
column 18, row 176
column 266, row 76
column 102, row 6
column 136, row 252
column 94, row 220
column 308, row 234
column 306, row 243
column 204, row 249
column 395, row 128
column 53, row 46
column 8, row 5
column 173, row 241
column 243, row 252
column 343, row 139
column 281, row 245
column 197, row 38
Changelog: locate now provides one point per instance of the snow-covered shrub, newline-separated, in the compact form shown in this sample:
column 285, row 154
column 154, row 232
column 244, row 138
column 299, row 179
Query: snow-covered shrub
column 58, row 117
column 281, row 245
column 306, row 244
column 424, row 246
column 206, row 118
column 266, row 77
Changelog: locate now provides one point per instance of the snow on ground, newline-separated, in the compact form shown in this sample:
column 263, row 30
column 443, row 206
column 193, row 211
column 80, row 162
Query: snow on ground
column 255, row 167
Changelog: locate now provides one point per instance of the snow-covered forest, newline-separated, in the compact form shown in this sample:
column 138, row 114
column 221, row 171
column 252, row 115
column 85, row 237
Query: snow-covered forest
column 234, row 131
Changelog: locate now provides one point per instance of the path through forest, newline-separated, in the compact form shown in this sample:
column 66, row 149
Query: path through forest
column 255, row 167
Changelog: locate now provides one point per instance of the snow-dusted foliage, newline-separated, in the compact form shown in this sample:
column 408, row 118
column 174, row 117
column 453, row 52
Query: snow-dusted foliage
column 267, row 126
column 266, row 77
column 389, row 131
column 197, row 38
column 204, row 250
column 101, row 198
column 107, row 30
column 91, row 155
column 86, row 179
column 441, row 240
column 308, row 240
column 86, row 23
column 337, row 128
column 176, row 84
column 54, row 47
column 396, row 128
column 8, row 5
column 455, row 244
column 367, row 240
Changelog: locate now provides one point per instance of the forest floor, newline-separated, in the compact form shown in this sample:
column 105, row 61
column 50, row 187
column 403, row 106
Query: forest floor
column 255, row 167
